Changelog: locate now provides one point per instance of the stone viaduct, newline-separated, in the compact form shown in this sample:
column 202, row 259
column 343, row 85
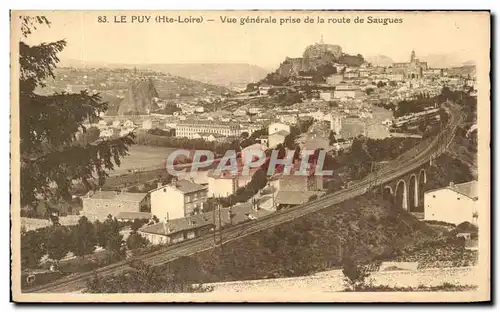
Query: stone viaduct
column 407, row 190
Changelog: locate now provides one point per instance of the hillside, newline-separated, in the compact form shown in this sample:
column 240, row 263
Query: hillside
column 364, row 229
column 170, row 87
column 228, row 75
column 222, row 74
column 463, row 70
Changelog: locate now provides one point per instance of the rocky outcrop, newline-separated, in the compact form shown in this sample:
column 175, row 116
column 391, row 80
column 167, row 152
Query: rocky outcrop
column 139, row 98
column 314, row 58
column 320, row 50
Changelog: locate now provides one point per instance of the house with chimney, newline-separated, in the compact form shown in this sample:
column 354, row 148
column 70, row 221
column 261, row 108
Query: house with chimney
column 178, row 199
column 175, row 231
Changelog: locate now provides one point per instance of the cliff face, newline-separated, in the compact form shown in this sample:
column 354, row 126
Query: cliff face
column 294, row 66
column 316, row 56
column 322, row 50
column 139, row 98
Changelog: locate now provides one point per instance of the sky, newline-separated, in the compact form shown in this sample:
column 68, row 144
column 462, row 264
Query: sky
column 465, row 35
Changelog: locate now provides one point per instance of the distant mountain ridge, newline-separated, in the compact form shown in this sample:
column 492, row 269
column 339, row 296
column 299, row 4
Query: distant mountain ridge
column 222, row 74
column 229, row 75
column 379, row 60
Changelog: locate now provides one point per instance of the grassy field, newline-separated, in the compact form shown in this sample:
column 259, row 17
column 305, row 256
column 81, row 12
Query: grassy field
column 142, row 158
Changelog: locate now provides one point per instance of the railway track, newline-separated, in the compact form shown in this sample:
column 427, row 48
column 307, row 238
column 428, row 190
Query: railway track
column 392, row 170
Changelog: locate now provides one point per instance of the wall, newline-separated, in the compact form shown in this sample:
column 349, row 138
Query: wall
column 448, row 206
column 33, row 223
column 338, row 94
column 154, row 238
column 222, row 187
column 194, row 201
column 334, row 79
column 167, row 201
column 99, row 209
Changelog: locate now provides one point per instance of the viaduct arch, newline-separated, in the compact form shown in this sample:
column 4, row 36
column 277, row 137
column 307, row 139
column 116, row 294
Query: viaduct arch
column 407, row 191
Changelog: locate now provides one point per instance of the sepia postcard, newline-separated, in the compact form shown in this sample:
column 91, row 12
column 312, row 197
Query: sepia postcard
column 250, row 156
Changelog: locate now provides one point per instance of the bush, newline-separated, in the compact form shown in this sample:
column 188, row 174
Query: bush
column 354, row 275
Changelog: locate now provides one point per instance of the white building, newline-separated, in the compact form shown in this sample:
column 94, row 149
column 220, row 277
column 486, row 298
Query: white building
column 277, row 138
column 334, row 79
column 347, row 91
column 250, row 152
column 326, row 96
column 455, row 203
column 277, row 126
column 222, row 185
column 288, row 118
column 177, row 200
column 147, row 124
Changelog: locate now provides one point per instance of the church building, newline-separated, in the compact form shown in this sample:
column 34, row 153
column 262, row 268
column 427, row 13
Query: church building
column 412, row 70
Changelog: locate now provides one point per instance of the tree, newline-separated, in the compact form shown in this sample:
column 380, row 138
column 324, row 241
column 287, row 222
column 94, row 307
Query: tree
column 89, row 136
column 100, row 234
column 259, row 179
column 50, row 158
column 289, row 141
column 155, row 219
column 84, row 238
column 137, row 224
column 135, row 240
column 31, row 249
column 332, row 138
column 114, row 245
column 110, row 235
column 58, row 242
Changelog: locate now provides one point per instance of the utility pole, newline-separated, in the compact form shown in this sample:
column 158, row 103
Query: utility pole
column 272, row 192
column 230, row 211
column 215, row 228
column 220, row 224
